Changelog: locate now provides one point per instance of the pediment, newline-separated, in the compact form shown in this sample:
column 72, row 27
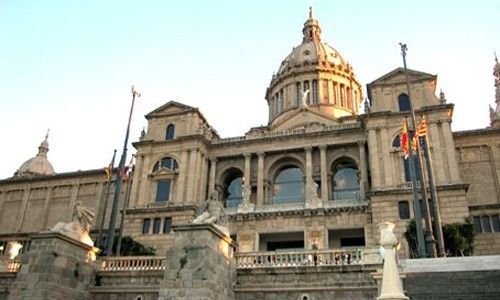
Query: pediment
column 397, row 76
column 163, row 172
column 171, row 107
column 302, row 118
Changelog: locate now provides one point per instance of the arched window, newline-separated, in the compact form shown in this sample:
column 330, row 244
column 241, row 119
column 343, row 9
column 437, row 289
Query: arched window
column 298, row 94
column 234, row 193
column 164, row 183
column 166, row 162
column 345, row 182
column 404, row 102
column 315, row 92
column 289, row 186
column 170, row 132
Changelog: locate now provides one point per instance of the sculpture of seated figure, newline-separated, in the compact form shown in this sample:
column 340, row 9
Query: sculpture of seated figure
column 213, row 214
column 78, row 230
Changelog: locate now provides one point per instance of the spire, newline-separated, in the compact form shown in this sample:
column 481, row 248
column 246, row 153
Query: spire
column 311, row 30
column 44, row 146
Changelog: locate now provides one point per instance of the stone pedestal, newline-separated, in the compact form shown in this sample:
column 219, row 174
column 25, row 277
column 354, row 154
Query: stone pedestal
column 55, row 267
column 199, row 265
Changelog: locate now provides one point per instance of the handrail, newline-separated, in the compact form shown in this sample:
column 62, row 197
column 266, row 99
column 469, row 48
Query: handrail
column 329, row 257
column 133, row 263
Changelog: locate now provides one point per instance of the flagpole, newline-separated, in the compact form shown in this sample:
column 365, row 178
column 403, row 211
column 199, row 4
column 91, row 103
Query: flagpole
column 411, row 163
column 118, row 183
column 438, row 231
column 104, row 205
column 124, row 212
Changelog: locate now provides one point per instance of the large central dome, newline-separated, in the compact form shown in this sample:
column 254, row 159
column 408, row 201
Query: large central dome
column 314, row 75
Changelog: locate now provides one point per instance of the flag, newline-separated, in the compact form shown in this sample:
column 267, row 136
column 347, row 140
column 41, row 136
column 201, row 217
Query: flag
column 404, row 140
column 421, row 132
column 109, row 169
column 129, row 169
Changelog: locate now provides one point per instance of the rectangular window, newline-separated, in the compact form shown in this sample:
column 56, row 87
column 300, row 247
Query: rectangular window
column 477, row 225
column 315, row 92
column 163, row 190
column 486, row 223
column 496, row 223
column 404, row 210
column 156, row 225
column 146, row 223
column 167, row 225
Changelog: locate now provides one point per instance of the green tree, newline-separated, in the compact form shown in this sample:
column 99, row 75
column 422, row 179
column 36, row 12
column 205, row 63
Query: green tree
column 458, row 238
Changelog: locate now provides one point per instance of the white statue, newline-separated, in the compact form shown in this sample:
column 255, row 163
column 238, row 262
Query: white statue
column 78, row 230
column 392, row 286
column 304, row 98
column 312, row 199
column 213, row 214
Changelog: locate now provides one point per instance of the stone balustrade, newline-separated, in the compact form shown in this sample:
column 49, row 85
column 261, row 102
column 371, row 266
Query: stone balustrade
column 289, row 132
column 133, row 263
column 329, row 257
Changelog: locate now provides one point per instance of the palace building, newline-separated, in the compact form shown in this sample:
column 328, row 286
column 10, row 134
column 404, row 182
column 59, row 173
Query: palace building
column 322, row 173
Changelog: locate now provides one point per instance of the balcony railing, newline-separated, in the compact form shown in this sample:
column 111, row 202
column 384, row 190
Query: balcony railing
column 346, row 194
column 133, row 263
column 329, row 257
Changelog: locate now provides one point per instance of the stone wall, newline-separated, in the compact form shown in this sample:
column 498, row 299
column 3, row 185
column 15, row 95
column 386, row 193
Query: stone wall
column 314, row 282
column 452, row 278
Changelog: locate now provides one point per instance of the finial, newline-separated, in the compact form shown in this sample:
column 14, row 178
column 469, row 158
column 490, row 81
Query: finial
column 47, row 135
column 496, row 58
column 310, row 12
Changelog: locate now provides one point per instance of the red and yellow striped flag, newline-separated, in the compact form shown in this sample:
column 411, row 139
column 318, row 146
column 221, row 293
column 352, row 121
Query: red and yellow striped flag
column 421, row 132
column 404, row 140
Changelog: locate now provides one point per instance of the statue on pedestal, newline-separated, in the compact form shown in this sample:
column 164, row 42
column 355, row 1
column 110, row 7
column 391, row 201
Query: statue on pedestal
column 213, row 213
column 79, row 229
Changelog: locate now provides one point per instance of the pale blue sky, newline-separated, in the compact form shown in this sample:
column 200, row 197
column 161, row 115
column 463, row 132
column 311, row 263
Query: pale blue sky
column 69, row 65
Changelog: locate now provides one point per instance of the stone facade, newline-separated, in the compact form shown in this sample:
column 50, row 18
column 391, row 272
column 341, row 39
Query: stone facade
column 320, row 175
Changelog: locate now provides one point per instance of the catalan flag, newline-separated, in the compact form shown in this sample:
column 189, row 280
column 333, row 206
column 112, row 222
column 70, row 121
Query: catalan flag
column 404, row 139
column 129, row 169
column 421, row 132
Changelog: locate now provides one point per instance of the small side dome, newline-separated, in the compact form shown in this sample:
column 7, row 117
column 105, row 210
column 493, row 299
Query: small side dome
column 38, row 165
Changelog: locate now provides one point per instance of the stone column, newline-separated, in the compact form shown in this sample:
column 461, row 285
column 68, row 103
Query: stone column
column 308, row 151
column 213, row 169
column 246, row 174
column 450, row 152
column 324, row 174
column 374, row 158
column 363, row 169
column 191, row 176
column 136, row 179
column 260, row 179
column 386, row 158
column 392, row 286
column 437, row 155
column 200, row 264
